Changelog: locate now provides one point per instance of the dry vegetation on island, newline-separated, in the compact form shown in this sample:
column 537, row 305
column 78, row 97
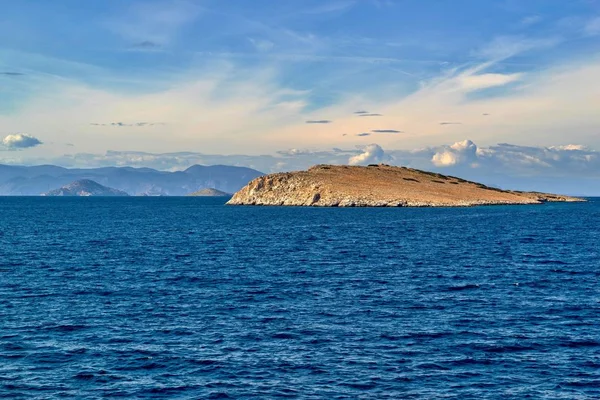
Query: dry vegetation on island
column 378, row 186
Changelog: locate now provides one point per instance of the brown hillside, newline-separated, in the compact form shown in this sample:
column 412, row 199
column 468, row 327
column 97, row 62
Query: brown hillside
column 377, row 186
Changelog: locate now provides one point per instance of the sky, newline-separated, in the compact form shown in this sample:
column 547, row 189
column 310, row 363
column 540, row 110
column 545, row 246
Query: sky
column 501, row 90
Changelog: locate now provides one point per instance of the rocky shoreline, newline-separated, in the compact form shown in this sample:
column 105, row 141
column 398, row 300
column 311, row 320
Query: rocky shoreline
column 378, row 186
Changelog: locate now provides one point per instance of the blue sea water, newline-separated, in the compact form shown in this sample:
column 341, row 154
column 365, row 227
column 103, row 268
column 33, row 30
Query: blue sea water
column 186, row 298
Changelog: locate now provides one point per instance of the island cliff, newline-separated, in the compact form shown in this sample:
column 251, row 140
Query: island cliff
column 377, row 186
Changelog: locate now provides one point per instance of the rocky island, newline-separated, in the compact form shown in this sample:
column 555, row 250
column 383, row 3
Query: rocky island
column 210, row 192
column 85, row 187
column 378, row 186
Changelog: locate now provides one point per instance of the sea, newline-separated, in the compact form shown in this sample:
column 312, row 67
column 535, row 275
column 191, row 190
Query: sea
column 187, row 298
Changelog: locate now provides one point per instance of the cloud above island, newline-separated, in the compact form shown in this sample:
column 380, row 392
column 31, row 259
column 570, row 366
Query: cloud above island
column 371, row 154
column 515, row 160
column 458, row 153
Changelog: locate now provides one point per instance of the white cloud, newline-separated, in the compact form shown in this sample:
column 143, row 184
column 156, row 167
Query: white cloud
column 484, row 81
column 372, row 154
column 295, row 152
column 571, row 147
column 557, row 160
column 20, row 141
column 445, row 159
column 571, row 160
column 466, row 146
column 459, row 152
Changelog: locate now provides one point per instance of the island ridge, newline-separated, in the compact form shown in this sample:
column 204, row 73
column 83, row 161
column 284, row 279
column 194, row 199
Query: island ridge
column 378, row 186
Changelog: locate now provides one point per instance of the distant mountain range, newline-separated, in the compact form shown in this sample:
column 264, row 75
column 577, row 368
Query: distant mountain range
column 35, row 180
column 85, row 187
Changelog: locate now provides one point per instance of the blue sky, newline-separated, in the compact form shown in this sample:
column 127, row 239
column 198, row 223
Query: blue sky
column 243, row 77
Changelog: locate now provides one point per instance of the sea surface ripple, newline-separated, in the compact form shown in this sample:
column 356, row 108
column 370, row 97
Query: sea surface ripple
column 187, row 298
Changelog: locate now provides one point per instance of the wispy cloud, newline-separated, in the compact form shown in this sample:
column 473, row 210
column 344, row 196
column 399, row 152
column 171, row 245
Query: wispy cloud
column 489, row 80
column 146, row 46
column 222, row 102
column 295, row 152
column 262, row 45
column 332, row 7
column 155, row 22
column 199, row 107
column 123, row 124
column 504, row 47
column 382, row 3
column 385, row 131
column 592, row 27
column 309, row 53
column 531, row 20
column 9, row 73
